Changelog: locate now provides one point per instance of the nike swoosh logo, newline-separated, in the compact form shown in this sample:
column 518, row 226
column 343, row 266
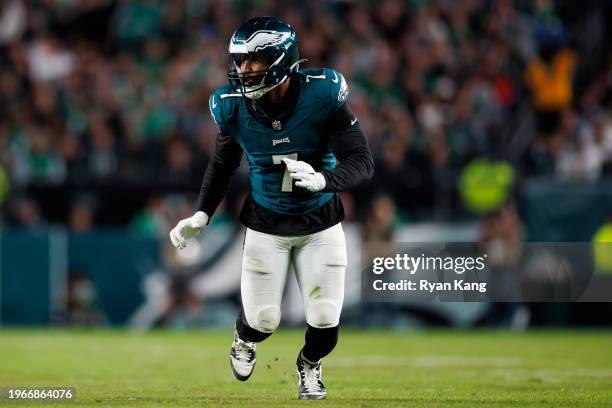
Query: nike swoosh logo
column 353, row 121
column 214, row 104
column 335, row 80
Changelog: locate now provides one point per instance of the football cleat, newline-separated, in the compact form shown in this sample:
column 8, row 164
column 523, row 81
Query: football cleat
column 242, row 358
column 310, row 385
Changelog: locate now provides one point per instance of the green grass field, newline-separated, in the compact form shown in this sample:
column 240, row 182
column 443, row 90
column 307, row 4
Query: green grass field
column 368, row 369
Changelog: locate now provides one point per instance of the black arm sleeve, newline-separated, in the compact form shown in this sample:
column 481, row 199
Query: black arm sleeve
column 225, row 161
column 350, row 146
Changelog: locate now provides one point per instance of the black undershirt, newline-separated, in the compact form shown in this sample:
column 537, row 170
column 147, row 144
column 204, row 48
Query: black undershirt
column 261, row 219
column 349, row 144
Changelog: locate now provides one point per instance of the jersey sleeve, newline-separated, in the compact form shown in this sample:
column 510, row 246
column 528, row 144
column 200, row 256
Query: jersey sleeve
column 222, row 105
column 215, row 104
column 339, row 90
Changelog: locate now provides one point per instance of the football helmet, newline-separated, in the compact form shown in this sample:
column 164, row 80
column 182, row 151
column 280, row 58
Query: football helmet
column 270, row 41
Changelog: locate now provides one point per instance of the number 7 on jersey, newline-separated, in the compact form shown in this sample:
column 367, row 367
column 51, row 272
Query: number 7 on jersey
column 287, row 184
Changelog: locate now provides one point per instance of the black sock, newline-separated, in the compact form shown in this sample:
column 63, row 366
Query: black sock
column 246, row 332
column 319, row 342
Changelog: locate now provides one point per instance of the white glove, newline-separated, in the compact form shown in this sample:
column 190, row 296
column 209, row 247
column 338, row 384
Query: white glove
column 305, row 175
column 187, row 229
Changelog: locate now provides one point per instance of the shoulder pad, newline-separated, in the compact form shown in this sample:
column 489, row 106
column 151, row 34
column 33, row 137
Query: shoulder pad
column 339, row 88
column 330, row 84
column 222, row 105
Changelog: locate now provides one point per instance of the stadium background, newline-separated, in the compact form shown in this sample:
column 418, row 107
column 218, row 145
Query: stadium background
column 489, row 121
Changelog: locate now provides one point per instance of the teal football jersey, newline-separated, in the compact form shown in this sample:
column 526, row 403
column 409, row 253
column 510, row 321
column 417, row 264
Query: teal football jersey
column 322, row 92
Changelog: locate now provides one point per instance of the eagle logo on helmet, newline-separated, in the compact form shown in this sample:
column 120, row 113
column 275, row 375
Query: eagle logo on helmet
column 259, row 40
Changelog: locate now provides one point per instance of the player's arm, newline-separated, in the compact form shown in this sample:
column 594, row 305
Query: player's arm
column 348, row 143
column 215, row 183
column 350, row 146
column 221, row 167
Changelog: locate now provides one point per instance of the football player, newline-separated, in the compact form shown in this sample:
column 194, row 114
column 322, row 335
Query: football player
column 303, row 145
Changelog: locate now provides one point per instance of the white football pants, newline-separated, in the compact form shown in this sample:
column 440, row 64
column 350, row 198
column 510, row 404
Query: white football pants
column 319, row 261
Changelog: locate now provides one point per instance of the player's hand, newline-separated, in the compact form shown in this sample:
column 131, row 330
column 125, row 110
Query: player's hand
column 305, row 176
column 187, row 229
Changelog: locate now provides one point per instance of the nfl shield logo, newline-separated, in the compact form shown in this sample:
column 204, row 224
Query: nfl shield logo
column 277, row 125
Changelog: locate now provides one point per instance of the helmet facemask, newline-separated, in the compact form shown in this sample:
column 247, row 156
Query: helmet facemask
column 255, row 84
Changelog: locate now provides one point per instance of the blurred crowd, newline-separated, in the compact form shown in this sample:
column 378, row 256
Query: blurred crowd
column 104, row 104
